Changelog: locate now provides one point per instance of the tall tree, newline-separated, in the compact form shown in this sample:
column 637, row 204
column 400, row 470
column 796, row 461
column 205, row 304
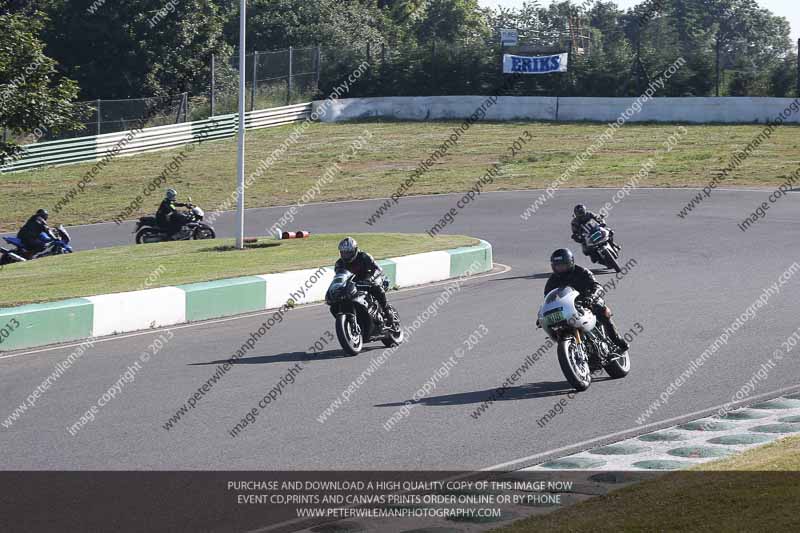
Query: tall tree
column 33, row 98
column 138, row 47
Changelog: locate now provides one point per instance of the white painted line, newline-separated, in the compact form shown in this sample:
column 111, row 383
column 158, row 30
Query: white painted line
column 504, row 269
column 647, row 428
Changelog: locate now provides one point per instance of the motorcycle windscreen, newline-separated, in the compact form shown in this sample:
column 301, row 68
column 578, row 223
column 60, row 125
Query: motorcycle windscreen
column 64, row 235
column 557, row 294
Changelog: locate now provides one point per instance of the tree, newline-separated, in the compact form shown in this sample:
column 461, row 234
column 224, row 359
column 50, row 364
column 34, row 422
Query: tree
column 32, row 96
column 136, row 48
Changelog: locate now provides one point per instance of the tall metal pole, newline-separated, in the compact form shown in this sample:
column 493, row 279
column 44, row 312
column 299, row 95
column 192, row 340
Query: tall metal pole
column 798, row 68
column 242, row 92
column 213, row 88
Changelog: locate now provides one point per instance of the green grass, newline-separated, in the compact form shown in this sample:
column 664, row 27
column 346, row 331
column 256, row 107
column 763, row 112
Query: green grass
column 394, row 150
column 747, row 492
column 127, row 268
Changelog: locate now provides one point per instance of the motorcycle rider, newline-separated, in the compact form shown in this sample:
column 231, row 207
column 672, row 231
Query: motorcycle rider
column 35, row 233
column 581, row 217
column 364, row 268
column 567, row 273
column 168, row 217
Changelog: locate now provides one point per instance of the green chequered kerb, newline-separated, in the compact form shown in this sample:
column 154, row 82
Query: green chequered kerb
column 390, row 270
column 225, row 297
column 47, row 323
column 462, row 258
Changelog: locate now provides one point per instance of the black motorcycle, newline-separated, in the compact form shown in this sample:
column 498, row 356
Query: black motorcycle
column 599, row 246
column 359, row 317
column 148, row 230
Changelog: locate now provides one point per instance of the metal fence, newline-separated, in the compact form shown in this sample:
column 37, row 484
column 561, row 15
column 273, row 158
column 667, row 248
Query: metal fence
column 276, row 78
column 109, row 145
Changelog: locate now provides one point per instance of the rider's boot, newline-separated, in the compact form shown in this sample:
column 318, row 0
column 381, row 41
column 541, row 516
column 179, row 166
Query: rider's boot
column 388, row 312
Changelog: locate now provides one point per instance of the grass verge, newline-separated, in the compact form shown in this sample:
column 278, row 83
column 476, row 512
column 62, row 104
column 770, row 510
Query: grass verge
column 164, row 264
column 387, row 157
column 747, row 492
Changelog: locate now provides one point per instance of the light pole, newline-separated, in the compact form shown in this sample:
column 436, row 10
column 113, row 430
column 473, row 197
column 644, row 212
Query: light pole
column 240, row 157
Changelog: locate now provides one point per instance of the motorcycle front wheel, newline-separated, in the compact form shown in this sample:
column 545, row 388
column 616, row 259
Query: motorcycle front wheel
column 349, row 335
column 574, row 367
column 204, row 232
column 610, row 261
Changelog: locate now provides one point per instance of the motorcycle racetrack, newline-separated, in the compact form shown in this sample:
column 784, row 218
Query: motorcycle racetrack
column 685, row 280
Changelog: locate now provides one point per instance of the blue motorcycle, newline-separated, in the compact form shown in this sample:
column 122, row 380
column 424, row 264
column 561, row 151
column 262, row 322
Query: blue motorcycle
column 56, row 243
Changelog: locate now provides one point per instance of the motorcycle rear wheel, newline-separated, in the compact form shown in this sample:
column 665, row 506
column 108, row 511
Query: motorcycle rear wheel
column 577, row 373
column 620, row 367
column 396, row 336
column 346, row 329
column 144, row 236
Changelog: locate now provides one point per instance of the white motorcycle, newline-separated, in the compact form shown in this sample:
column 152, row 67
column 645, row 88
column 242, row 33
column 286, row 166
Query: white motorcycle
column 583, row 345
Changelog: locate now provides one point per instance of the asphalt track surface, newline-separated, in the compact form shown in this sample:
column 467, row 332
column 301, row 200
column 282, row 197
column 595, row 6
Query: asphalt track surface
column 693, row 277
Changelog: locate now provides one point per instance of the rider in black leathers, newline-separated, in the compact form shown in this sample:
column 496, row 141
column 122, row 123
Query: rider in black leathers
column 168, row 217
column 31, row 232
column 582, row 216
column 364, row 268
column 567, row 273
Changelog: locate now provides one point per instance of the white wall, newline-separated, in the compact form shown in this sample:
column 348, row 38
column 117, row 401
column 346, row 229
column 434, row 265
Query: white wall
column 689, row 109
column 440, row 108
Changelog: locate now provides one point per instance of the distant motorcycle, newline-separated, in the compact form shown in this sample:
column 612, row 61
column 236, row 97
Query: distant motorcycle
column 583, row 345
column 148, row 230
column 56, row 243
column 359, row 317
column 597, row 245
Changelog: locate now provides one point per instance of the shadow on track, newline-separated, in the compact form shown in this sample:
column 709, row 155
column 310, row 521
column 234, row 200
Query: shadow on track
column 529, row 391
column 287, row 357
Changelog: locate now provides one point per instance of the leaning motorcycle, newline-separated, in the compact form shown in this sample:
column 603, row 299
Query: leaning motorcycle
column 148, row 230
column 56, row 243
column 583, row 345
column 597, row 245
column 358, row 314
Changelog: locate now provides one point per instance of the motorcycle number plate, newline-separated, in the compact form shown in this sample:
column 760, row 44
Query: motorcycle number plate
column 553, row 318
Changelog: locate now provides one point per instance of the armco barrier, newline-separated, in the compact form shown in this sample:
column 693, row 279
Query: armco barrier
column 701, row 110
column 108, row 314
column 96, row 147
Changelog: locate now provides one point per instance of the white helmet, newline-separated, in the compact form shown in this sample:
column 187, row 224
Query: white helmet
column 171, row 194
column 348, row 249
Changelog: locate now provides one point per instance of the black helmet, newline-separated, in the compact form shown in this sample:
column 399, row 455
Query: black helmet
column 348, row 249
column 579, row 210
column 42, row 213
column 562, row 261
